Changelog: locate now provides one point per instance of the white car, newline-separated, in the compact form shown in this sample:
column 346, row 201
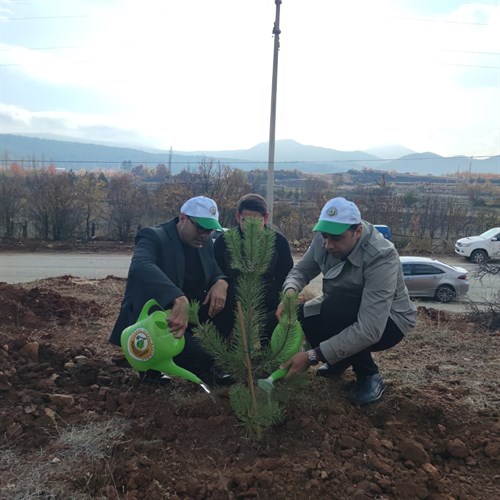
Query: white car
column 425, row 277
column 480, row 248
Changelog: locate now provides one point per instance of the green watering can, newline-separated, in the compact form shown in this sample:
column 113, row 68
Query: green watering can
column 149, row 345
column 286, row 346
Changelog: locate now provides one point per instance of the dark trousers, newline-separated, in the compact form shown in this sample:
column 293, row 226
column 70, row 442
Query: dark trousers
column 226, row 319
column 193, row 357
column 337, row 313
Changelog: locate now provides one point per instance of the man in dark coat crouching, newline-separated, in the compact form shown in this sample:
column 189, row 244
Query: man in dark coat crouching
column 174, row 263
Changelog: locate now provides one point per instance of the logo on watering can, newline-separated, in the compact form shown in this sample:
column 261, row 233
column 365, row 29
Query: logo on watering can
column 140, row 345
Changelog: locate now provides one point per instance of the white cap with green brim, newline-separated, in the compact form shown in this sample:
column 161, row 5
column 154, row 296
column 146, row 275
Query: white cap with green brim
column 203, row 211
column 337, row 216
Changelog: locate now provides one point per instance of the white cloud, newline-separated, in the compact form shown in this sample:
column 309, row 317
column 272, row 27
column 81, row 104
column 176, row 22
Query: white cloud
column 197, row 75
column 78, row 125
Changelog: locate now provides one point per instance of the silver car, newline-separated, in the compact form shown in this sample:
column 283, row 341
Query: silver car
column 425, row 277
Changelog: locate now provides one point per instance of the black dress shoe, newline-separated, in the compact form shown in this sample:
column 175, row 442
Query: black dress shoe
column 368, row 389
column 155, row 378
column 331, row 371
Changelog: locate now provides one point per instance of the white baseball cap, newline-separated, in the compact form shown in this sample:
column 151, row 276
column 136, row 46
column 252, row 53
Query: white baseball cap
column 203, row 211
column 337, row 216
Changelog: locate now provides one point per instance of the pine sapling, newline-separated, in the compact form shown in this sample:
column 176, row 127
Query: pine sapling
column 246, row 356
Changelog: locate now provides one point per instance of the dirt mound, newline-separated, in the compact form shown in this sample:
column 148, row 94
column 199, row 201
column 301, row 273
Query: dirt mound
column 74, row 425
column 39, row 306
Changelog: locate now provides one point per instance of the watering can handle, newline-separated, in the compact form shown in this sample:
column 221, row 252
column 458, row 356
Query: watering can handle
column 147, row 306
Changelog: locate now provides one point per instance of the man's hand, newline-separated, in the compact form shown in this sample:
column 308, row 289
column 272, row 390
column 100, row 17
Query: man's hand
column 279, row 310
column 216, row 296
column 178, row 317
column 298, row 363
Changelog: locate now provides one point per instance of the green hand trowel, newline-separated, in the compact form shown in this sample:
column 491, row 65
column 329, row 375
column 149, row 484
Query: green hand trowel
column 284, row 344
column 149, row 345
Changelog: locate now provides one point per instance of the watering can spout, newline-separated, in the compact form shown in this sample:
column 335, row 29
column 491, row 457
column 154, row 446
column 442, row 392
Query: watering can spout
column 148, row 344
column 286, row 340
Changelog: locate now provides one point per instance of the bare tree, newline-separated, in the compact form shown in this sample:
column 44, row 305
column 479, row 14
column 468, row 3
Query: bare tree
column 488, row 315
column 12, row 200
column 127, row 203
column 221, row 183
column 168, row 200
column 233, row 187
column 52, row 204
column 91, row 195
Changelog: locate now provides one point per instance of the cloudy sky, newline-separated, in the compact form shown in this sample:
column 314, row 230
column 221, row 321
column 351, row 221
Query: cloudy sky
column 195, row 75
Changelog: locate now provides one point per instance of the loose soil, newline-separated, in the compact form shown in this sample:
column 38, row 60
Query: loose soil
column 73, row 424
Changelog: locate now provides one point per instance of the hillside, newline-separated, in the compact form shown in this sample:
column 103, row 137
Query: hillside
column 289, row 155
column 77, row 155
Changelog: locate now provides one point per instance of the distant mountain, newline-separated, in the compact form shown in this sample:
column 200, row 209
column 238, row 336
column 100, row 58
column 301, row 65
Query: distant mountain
column 288, row 150
column 77, row 155
column 389, row 151
column 433, row 164
column 289, row 155
column 65, row 138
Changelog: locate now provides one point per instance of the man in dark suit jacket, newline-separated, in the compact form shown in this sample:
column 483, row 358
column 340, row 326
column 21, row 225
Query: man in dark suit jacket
column 174, row 263
column 255, row 206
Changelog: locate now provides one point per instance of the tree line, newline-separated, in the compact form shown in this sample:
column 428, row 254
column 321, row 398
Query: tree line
column 49, row 204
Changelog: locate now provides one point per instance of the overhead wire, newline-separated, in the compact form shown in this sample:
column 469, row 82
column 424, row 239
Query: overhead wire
column 246, row 162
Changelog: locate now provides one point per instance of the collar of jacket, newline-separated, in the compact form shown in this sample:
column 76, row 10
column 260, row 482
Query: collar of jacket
column 357, row 254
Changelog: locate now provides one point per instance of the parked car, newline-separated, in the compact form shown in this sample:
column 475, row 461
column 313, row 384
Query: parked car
column 480, row 248
column 426, row 277
column 385, row 230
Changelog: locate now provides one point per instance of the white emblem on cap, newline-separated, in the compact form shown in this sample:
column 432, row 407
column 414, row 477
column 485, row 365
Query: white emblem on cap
column 332, row 212
column 213, row 210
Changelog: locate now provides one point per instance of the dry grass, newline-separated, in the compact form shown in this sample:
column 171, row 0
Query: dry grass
column 48, row 473
column 448, row 355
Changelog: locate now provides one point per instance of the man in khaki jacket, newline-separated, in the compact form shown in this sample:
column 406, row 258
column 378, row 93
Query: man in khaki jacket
column 365, row 305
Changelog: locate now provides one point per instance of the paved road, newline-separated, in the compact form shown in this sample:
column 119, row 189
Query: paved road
column 20, row 267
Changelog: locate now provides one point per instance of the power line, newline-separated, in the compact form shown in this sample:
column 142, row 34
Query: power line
column 444, row 21
column 61, row 47
column 246, row 162
column 471, row 52
column 78, row 47
column 80, row 61
column 90, row 60
column 403, row 18
column 33, row 18
column 468, row 65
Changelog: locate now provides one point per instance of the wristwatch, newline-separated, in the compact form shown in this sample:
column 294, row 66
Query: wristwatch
column 313, row 358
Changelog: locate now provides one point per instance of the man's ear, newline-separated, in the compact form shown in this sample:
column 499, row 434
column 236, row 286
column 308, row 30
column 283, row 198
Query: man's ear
column 183, row 218
column 266, row 218
column 238, row 217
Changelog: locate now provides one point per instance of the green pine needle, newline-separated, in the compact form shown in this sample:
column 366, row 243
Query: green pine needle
column 250, row 258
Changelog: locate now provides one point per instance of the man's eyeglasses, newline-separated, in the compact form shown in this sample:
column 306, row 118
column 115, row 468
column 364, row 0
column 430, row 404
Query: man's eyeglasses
column 199, row 229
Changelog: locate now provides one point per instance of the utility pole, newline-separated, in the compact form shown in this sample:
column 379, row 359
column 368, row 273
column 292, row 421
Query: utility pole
column 272, row 128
